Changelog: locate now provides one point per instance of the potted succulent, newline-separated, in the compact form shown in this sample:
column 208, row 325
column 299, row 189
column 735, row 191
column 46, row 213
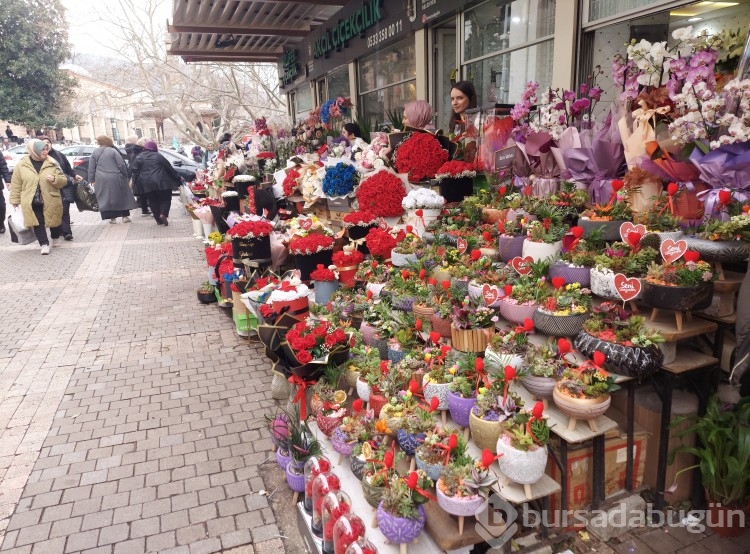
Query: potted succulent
column 723, row 241
column 369, row 367
column 353, row 430
column 523, row 298
column 392, row 386
column 302, row 446
column 494, row 405
column 379, row 471
column 462, row 395
column 621, row 258
column 508, row 348
column 472, row 325
column 402, row 287
column 545, row 365
column 414, row 428
column 660, row 220
column 543, row 239
column 523, row 445
column 488, row 281
column 206, row 293
column 440, row 322
column 607, row 217
column 438, row 449
column 405, row 253
column 278, row 428
column 512, row 235
column 463, row 489
column 583, row 393
column 565, row 311
column 684, row 285
column 578, row 256
column 400, row 515
column 629, row 345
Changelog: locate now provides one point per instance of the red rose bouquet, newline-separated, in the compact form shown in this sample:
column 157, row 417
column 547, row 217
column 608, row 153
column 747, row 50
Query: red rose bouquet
column 361, row 218
column 313, row 339
column 322, row 273
column 291, row 183
column 455, row 170
column 251, row 229
column 380, row 242
column 344, row 258
column 381, row 194
column 420, row 155
column 311, row 244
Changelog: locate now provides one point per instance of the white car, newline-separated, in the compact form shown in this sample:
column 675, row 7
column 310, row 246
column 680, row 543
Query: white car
column 77, row 153
column 14, row 155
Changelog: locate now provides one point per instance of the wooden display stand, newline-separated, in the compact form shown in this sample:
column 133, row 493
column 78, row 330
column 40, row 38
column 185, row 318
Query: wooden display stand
column 677, row 317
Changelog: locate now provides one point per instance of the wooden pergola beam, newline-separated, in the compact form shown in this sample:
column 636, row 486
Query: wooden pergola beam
column 224, row 29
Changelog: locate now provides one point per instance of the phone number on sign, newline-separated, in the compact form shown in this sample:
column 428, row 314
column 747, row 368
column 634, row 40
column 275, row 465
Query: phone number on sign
column 385, row 33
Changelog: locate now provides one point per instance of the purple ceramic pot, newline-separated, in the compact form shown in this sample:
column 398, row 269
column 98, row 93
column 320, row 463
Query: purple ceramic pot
column 409, row 442
column 517, row 313
column 295, row 481
column 580, row 275
column 460, row 408
column 368, row 332
column 510, row 247
column 399, row 530
column 281, row 459
column 340, row 444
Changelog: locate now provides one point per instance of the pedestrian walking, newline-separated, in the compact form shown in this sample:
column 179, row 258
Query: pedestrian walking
column 68, row 192
column 5, row 175
column 109, row 175
column 155, row 178
column 133, row 147
column 35, row 186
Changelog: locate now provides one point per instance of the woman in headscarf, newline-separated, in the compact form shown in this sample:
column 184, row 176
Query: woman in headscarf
column 155, row 178
column 133, row 147
column 109, row 175
column 43, row 209
column 418, row 115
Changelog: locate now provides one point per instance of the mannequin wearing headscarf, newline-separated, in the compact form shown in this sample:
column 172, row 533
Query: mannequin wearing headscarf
column 418, row 115
column 155, row 178
column 38, row 170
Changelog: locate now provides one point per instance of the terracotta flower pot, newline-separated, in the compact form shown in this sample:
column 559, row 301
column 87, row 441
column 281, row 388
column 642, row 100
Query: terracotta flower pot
column 460, row 408
column 485, row 433
column 377, row 401
column 409, row 442
column 492, row 215
column 725, row 520
column 559, row 325
column 581, row 408
column 524, row 467
column 470, row 340
column 442, row 326
column 683, row 299
column 572, row 274
column 459, row 505
column 517, row 313
column 400, row 530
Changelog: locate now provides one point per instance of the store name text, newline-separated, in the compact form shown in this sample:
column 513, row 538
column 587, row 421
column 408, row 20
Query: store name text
column 345, row 29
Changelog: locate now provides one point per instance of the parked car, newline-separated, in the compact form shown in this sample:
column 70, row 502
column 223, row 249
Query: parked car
column 184, row 167
column 77, row 153
column 14, row 155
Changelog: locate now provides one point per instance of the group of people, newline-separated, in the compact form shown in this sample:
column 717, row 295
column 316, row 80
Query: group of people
column 43, row 185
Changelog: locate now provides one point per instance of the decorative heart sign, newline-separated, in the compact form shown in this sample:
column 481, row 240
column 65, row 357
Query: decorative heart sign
column 461, row 245
column 627, row 287
column 383, row 225
column 672, row 250
column 628, row 227
column 522, row 265
column 305, row 223
column 489, row 294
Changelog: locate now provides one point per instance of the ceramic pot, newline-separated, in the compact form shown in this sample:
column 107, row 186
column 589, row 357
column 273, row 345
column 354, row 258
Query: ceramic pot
column 721, row 251
column 324, row 290
column 510, row 247
column 358, row 466
column 368, row 332
column 581, row 408
column 363, row 390
column 632, row 361
column 402, row 260
column 541, row 250
column 340, row 444
column 433, row 471
column 485, row 433
column 381, row 345
column 540, row 387
column 461, row 286
column 376, row 288
column 524, row 467
column 282, row 460
column 377, row 401
column 327, row 424
column 395, row 355
column 495, row 361
column 465, row 506
column 438, row 390
column 442, row 326
column 400, row 530
column 316, row 404
column 682, row 299
column 664, row 235
column 517, row 313
column 373, row 495
column 476, row 292
column 559, row 325
column 603, row 285
column 402, row 302
column 610, row 229
column 492, row 215
column 460, row 408
column 571, row 274
column 295, row 477
column 409, row 442
column 470, row 340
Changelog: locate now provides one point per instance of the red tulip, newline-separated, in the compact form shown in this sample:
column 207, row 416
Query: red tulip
column 563, row 346
column 412, row 480
column 599, row 359
column 418, row 325
column 445, row 284
column 507, row 289
column 558, row 282
column 418, row 213
column 488, row 457
column 509, row 373
column 388, row 459
column 434, row 403
column 538, row 410
column 672, row 189
column 528, row 325
column 692, row 256
column 487, row 236
column 404, row 274
column 725, row 197
column 368, row 294
column 422, row 273
column 434, row 337
column 452, row 441
column 475, row 255
column 479, row 364
column 617, row 184
column 357, row 405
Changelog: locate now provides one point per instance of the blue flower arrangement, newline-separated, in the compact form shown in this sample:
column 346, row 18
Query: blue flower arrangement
column 325, row 111
column 340, row 180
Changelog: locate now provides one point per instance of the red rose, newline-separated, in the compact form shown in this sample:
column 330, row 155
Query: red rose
column 292, row 335
column 339, row 335
column 319, row 331
column 330, row 341
column 310, row 341
column 297, row 344
column 304, row 357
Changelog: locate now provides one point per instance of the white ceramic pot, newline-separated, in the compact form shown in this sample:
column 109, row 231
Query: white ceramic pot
column 541, row 250
column 603, row 284
column 375, row 288
column 363, row 390
column 540, row 387
column 494, row 362
column 521, row 466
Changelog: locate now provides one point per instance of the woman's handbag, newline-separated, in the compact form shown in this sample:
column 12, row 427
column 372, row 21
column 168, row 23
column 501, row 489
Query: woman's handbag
column 85, row 197
column 38, row 200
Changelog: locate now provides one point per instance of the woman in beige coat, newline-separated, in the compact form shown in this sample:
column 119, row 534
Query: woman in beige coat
column 38, row 170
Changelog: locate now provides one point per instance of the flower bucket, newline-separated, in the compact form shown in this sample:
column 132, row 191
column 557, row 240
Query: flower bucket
column 610, row 229
column 464, row 506
column 524, row 467
column 442, row 326
column 541, row 250
column 510, row 247
column 559, row 325
column 439, row 391
column 456, row 189
column 409, row 442
column 470, row 340
column 307, row 263
column 324, row 290
column 347, row 274
column 400, row 530
column 683, row 299
column 571, row 274
column 517, row 313
column 485, row 433
column 460, row 408
column 540, row 387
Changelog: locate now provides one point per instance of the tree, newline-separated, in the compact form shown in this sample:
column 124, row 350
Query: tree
column 33, row 44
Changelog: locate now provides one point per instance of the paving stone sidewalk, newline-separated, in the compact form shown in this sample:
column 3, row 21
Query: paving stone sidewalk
column 130, row 415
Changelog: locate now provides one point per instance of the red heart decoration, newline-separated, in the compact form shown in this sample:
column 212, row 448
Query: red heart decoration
column 538, row 410
column 692, row 256
column 628, row 228
column 672, row 250
column 501, row 227
column 445, row 284
column 563, row 346
column 502, row 190
column 487, row 236
column 521, row 265
column 434, row 403
column 462, row 245
column 422, row 273
column 475, row 255
column 672, row 189
column 509, row 373
column 627, row 288
column 434, row 337
column 528, row 325
column 383, row 225
column 577, row 231
column 617, row 184
column 369, row 294
column 599, row 359
column 357, row 405
column 418, row 325
column 488, row 457
column 412, row 480
column 634, row 239
column 452, row 441
column 489, row 294
column 404, row 274
column 508, row 289
column 418, row 213
column 444, row 349
column 432, row 281
column 388, row 459
column 409, row 228
column 413, row 386
column 558, row 282
column 305, row 223
column 479, row 364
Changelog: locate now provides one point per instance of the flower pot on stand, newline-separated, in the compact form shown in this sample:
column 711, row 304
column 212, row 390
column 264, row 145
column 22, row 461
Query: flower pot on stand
column 460, row 506
column 433, row 471
column 328, row 424
column 720, row 251
column 341, row 445
column 559, row 325
column 525, row 467
column 358, row 465
column 295, row 478
column 540, row 387
column 541, row 250
column 409, row 442
column 603, row 285
column 610, row 229
column 400, row 530
column 495, row 361
column 470, row 340
column 460, row 408
column 510, row 247
column 324, row 290
column 572, row 274
column 442, row 326
column 517, row 313
column 373, row 495
column 282, row 459
column 633, row 361
column 485, row 433
column 584, row 409
column 684, row 299
column 439, row 391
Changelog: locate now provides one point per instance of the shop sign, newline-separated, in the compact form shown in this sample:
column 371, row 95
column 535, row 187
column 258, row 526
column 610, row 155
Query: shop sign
column 354, row 25
column 423, row 12
column 289, row 66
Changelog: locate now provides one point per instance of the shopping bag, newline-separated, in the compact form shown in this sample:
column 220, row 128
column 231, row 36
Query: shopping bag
column 19, row 233
column 85, row 198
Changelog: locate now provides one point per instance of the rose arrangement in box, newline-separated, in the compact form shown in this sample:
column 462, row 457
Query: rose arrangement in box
column 322, row 273
column 343, row 258
column 381, row 242
column 360, row 218
column 291, row 182
column 251, row 229
column 455, row 169
column 340, row 180
column 310, row 244
column 311, row 340
column 423, row 198
column 420, row 155
column 381, row 194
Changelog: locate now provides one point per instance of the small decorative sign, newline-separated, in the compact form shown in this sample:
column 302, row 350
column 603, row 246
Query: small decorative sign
column 627, row 287
column 490, row 294
column 462, row 245
column 522, row 265
column 628, row 227
column 305, row 223
column 672, row 250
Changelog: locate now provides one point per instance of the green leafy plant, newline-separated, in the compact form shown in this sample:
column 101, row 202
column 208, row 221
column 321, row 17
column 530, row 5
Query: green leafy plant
column 611, row 323
column 680, row 274
column 621, row 258
column 401, row 501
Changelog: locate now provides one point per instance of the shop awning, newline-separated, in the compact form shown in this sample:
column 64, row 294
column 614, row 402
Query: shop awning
column 243, row 30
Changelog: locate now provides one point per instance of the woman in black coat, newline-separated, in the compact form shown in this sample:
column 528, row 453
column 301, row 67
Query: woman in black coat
column 155, row 178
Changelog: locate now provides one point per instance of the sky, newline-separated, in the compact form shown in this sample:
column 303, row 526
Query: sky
column 87, row 36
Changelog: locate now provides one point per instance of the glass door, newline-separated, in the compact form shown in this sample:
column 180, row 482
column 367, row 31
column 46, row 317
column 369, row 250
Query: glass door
column 445, row 73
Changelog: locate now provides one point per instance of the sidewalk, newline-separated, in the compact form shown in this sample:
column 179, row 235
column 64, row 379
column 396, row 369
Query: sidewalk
column 130, row 414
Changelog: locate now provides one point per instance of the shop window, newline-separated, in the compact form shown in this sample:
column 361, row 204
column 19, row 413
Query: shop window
column 507, row 44
column 304, row 99
column 338, row 83
column 152, row 133
column 387, row 81
column 601, row 9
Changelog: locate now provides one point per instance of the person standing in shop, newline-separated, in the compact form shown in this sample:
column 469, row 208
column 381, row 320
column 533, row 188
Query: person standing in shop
column 418, row 115
column 109, row 175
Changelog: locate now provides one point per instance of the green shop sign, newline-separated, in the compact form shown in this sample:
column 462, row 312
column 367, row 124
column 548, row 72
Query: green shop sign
column 336, row 37
column 289, row 66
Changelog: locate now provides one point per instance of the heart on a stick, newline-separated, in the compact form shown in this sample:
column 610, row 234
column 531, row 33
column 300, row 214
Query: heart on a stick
column 522, row 265
column 305, row 223
column 489, row 294
column 627, row 228
column 627, row 287
column 462, row 245
column 672, row 250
